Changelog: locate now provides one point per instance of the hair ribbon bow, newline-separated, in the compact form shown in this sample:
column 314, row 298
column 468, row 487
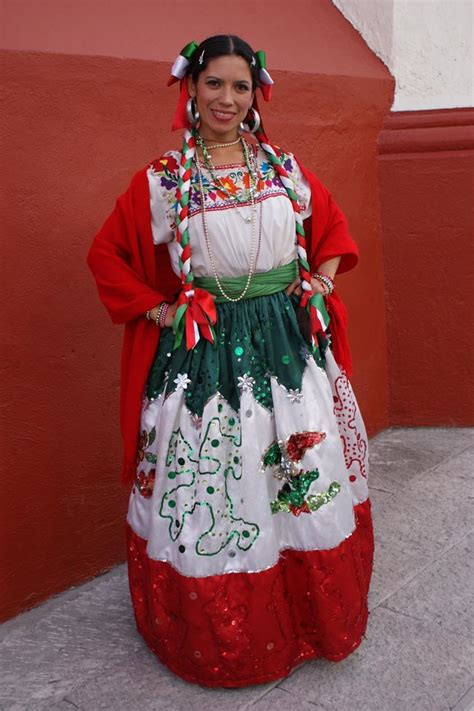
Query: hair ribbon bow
column 181, row 63
column 263, row 75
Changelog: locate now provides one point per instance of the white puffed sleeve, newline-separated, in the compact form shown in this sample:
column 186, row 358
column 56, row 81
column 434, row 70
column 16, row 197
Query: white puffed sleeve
column 162, row 181
column 301, row 185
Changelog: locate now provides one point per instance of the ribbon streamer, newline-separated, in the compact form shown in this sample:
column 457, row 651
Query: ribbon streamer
column 318, row 314
column 195, row 316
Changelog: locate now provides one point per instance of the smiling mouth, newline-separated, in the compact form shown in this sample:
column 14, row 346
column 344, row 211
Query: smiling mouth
column 222, row 115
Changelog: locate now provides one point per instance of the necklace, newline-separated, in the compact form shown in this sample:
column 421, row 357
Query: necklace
column 254, row 248
column 221, row 145
column 253, row 172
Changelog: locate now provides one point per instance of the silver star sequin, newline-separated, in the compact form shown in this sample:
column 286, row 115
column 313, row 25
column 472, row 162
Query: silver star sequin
column 196, row 421
column 246, row 382
column 304, row 353
column 294, row 395
column 182, row 381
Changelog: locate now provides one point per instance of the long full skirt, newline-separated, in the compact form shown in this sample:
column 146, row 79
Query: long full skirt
column 250, row 541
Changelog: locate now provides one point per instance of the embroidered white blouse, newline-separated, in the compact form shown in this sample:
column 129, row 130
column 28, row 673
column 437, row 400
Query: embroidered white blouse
column 229, row 228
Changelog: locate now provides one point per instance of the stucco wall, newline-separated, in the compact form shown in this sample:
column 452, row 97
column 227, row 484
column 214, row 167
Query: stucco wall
column 426, row 44
column 305, row 36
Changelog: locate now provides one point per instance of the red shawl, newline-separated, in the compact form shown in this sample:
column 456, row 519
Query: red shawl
column 133, row 275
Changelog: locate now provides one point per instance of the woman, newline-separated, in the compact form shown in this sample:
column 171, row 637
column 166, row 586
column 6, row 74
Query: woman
column 250, row 540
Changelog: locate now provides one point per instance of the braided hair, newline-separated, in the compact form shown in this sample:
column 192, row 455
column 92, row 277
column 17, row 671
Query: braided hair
column 303, row 264
column 188, row 152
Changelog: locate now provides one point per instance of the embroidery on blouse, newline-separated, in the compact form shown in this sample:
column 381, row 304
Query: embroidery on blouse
column 233, row 177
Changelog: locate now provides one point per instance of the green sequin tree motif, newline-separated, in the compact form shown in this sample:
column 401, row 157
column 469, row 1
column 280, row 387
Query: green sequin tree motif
column 181, row 465
column 205, row 480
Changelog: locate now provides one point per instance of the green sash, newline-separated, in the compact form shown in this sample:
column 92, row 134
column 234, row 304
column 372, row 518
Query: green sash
column 262, row 284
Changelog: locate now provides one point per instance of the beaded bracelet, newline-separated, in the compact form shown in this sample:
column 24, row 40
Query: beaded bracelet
column 326, row 280
column 161, row 315
column 160, row 319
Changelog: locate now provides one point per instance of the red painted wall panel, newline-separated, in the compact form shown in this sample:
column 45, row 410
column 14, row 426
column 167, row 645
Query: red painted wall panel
column 75, row 130
column 300, row 36
column 427, row 208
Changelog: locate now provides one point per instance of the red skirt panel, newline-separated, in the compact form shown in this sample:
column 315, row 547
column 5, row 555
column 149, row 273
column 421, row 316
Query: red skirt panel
column 240, row 629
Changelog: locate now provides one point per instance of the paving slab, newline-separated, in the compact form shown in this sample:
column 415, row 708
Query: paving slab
column 146, row 685
column 402, row 663
column 443, row 593
column 82, row 635
column 395, row 561
column 281, row 700
column 421, row 520
column 399, row 456
column 466, row 703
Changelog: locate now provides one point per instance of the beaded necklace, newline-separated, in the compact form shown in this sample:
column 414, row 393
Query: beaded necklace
column 254, row 244
column 253, row 172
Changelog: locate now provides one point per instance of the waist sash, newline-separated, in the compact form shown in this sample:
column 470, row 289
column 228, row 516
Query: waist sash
column 262, row 284
column 203, row 314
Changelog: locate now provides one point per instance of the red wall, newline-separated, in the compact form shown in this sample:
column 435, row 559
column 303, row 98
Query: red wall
column 427, row 207
column 304, row 35
column 76, row 128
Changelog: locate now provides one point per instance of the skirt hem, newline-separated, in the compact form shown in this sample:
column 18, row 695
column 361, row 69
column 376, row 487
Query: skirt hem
column 219, row 632
column 261, row 679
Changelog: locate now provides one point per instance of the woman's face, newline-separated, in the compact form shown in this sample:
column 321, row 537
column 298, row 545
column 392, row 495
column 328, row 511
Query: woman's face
column 223, row 93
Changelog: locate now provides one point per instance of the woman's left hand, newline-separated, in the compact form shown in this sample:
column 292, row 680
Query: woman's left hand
column 317, row 286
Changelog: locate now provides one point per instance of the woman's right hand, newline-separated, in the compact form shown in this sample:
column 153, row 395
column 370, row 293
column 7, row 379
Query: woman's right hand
column 169, row 315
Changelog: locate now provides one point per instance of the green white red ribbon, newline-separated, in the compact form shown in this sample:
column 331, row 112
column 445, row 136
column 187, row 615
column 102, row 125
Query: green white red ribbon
column 263, row 75
column 195, row 316
column 318, row 314
column 181, row 63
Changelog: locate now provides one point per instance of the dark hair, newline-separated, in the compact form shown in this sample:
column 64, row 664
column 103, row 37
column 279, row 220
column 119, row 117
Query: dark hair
column 222, row 46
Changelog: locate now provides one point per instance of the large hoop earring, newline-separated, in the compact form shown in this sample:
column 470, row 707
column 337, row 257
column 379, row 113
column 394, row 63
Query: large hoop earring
column 253, row 125
column 192, row 113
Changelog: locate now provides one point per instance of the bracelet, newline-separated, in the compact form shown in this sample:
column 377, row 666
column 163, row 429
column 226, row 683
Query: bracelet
column 160, row 319
column 162, row 313
column 326, row 280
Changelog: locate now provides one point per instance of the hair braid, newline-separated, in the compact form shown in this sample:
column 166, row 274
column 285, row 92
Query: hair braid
column 303, row 264
column 182, row 195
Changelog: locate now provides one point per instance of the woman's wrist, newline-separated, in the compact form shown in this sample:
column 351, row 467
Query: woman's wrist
column 326, row 280
column 328, row 267
column 158, row 314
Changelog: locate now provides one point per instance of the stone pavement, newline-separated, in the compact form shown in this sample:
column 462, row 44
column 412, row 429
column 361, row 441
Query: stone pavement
column 80, row 650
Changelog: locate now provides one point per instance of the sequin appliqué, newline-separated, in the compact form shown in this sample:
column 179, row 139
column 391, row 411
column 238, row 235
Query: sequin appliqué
column 202, row 479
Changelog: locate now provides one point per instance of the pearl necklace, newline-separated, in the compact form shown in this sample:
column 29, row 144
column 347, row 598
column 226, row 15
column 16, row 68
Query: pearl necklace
column 221, row 145
column 254, row 253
